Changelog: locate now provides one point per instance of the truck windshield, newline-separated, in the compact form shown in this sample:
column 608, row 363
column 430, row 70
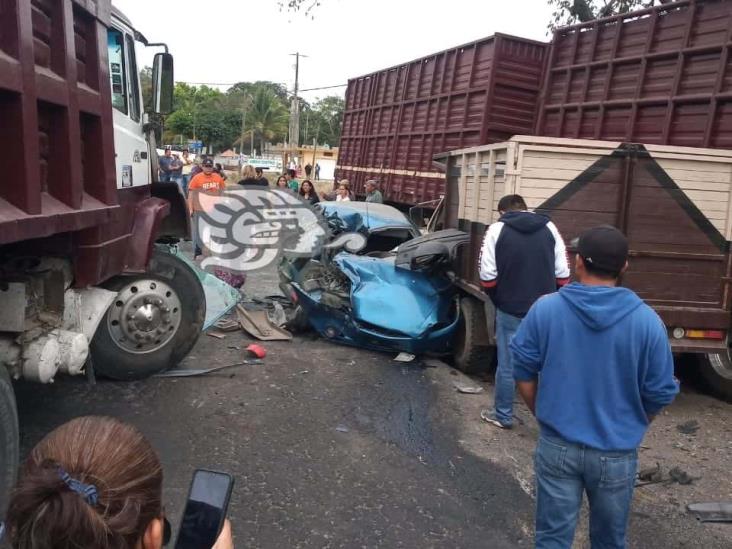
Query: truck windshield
column 117, row 69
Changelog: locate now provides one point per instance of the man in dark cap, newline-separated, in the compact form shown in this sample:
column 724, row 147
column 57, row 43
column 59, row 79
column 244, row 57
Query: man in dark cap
column 594, row 365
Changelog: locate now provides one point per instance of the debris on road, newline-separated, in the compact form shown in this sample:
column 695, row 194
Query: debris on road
column 469, row 389
column 342, row 429
column 217, row 335
column 713, row 511
column 257, row 350
column 220, row 297
column 656, row 475
column 227, row 325
column 688, row 427
column 258, row 325
column 404, row 357
column 180, row 372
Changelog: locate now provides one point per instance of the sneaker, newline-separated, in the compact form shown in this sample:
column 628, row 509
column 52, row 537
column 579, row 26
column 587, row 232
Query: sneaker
column 490, row 417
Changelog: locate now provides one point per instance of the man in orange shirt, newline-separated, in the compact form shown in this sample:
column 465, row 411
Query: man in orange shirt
column 209, row 182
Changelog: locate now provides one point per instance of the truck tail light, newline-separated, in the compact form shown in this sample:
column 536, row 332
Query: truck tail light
column 705, row 334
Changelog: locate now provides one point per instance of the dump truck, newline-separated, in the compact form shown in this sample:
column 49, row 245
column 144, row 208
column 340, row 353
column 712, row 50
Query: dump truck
column 87, row 282
column 673, row 203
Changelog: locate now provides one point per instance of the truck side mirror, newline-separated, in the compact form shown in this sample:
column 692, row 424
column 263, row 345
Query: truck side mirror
column 162, row 83
column 416, row 215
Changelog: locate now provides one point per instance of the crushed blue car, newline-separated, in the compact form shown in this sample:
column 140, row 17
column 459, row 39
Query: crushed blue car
column 389, row 296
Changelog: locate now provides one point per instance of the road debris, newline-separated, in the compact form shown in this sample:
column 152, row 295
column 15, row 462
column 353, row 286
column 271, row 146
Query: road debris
column 688, row 427
column 216, row 334
column 258, row 325
column 468, row 389
column 404, row 357
column 656, row 475
column 226, row 325
column 257, row 350
column 713, row 511
column 180, row 372
column 342, row 429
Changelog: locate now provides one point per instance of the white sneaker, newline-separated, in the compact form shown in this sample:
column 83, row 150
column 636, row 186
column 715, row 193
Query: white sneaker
column 490, row 417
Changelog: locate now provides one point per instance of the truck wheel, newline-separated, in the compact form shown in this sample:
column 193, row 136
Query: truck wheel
column 154, row 322
column 716, row 369
column 472, row 353
column 8, row 440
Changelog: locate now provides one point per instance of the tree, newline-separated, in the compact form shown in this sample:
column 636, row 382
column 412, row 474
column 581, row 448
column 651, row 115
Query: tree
column 267, row 116
column 322, row 121
column 569, row 12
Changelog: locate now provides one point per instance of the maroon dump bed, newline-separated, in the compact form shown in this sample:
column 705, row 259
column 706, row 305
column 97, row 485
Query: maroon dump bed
column 57, row 134
column 397, row 119
column 660, row 76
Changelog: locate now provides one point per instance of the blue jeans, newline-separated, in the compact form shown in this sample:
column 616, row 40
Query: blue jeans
column 506, row 326
column 563, row 472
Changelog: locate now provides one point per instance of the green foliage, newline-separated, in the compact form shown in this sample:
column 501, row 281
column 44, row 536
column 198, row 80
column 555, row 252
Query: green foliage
column 569, row 12
column 322, row 121
column 215, row 117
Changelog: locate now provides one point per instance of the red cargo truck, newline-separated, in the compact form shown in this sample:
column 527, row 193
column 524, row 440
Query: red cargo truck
column 397, row 119
column 84, row 279
column 657, row 76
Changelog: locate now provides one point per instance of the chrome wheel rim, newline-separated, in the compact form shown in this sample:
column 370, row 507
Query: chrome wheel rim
column 145, row 316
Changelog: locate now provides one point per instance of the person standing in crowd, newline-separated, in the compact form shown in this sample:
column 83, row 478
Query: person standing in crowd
column 594, row 365
column 209, row 182
column 373, row 194
column 261, row 178
column 307, row 192
column 292, row 183
column 249, row 176
column 317, row 171
column 176, row 170
column 186, row 170
column 342, row 194
column 92, row 482
column 333, row 195
column 164, row 165
column 282, row 183
column 219, row 169
column 308, row 170
column 523, row 257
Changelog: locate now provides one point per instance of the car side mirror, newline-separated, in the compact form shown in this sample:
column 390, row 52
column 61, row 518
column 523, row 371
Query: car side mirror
column 162, row 83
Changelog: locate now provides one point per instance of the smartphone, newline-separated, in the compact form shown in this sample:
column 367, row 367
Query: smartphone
column 205, row 510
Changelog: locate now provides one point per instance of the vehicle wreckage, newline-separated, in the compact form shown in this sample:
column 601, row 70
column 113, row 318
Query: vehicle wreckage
column 394, row 294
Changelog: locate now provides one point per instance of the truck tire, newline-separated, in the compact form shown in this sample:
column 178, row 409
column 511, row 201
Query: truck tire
column 473, row 352
column 8, row 440
column 154, row 322
column 716, row 370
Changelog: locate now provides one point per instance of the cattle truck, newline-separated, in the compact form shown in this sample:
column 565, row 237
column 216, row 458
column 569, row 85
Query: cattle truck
column 86, row 278
column 673, row 203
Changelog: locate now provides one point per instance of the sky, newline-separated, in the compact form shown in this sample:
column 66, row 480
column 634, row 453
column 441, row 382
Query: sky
column 227, row 41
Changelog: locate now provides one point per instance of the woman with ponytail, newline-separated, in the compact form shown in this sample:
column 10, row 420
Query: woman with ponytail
column 94, row 482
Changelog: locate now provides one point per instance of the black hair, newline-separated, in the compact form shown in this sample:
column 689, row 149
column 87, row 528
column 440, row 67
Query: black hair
column 511, row 203
column 595, row 271
column 291, row 173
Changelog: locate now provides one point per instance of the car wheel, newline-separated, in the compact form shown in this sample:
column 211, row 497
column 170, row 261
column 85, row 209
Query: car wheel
column 473, row 352
column 153, row 323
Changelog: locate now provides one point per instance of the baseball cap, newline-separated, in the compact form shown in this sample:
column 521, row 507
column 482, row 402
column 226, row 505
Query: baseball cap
column 207, row 162
column 604, row 247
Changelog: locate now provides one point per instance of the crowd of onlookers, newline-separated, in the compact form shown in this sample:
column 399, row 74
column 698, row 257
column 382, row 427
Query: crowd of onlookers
column 183, row 170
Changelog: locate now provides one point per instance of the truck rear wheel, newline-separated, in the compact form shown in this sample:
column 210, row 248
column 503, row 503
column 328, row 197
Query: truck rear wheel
column 473, row 352
column 716, row 369
column 154, row 322
column 8, row 440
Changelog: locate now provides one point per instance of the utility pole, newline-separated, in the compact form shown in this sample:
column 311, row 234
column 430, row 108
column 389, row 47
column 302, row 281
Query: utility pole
column 295, row 108
column 243, row 133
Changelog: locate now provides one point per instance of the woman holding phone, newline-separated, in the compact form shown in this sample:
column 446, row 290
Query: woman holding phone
column 93, row 482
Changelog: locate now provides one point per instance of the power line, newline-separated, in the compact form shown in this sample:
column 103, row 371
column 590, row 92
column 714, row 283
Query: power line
column 232, row 83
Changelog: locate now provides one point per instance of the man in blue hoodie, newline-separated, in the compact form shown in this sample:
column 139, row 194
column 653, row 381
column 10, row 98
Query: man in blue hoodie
column 523, row 257
column 594, row 365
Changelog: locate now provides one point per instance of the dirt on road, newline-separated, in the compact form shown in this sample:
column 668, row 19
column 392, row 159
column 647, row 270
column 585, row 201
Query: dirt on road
column 659, row 517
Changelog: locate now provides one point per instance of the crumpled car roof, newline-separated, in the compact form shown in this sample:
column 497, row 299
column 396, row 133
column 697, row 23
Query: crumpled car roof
column 366, row 216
